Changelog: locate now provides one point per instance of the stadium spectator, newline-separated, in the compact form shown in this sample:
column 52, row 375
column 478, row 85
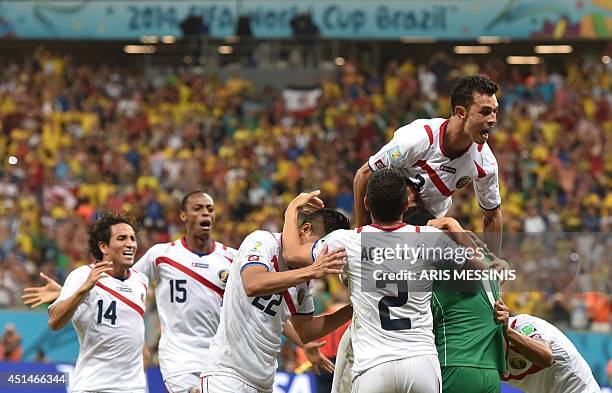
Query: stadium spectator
column 10, row 345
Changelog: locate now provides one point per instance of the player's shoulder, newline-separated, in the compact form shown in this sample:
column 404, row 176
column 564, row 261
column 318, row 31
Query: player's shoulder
column 420, row 130
column 138, row 276
column 484, row 152
column 526, row 323
column 226, row 251
column 81, row 271
column 263, row 237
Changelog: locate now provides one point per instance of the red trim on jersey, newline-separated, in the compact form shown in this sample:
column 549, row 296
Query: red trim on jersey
column 417, row 228
column 184, row 243
column 532, row 370
column 441, row 139
column 359, row 229
column 389, row 229
column 513, row 323
column 125, row 300
column 435, row 178
column 229, row 259
column 442, row 132
column 429, row 134
column 481, row 172
column 286, row 294
column 191, row 274
column 480, row 146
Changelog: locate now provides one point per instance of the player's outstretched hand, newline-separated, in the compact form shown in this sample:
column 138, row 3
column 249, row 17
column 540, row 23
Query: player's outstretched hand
column 99, row 269
column 502, row 313
column 35, row 296
column 317, row 359
column 307, row 202
column 329, row 262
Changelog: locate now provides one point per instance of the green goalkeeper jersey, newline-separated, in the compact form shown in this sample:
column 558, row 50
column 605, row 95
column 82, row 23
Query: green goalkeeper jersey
column 465, row 327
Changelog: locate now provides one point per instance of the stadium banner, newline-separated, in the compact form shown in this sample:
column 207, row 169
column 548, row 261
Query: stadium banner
column 388, row 19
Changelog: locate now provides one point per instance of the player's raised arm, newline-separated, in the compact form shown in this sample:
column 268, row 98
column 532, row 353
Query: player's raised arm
column 536, row 350
column 74, row 291
column 492, row 226
column 259, row 280
column 362, row 217
column 296, row 253
column 48, row 293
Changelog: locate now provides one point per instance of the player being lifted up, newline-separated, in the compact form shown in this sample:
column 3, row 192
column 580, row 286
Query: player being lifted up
column 261, row 295
column 392, row 322
column 106, row 302
column 439, row 156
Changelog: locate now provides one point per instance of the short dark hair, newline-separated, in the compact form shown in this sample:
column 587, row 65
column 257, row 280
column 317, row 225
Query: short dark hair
column 186, row 198
column 100, row 231
column 387, row 194
column 326, row 220
column 462, row 92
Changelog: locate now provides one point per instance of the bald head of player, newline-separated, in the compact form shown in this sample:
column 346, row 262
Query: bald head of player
column 320, row 223
column 198, row 215
column 113, row 238
column 474, row 113
column 387, row 197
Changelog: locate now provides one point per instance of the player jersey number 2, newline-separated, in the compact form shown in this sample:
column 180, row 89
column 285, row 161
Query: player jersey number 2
column 386, row 302
column 273, row 301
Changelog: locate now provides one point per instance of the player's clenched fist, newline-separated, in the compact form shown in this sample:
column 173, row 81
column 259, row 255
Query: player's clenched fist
column 329, row 262
column 502, row 313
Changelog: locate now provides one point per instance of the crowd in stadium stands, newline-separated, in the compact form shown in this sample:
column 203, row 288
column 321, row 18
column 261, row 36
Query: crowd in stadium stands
column 88, row 138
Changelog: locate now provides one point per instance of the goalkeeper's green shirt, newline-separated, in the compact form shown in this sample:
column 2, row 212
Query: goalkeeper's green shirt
column 465, row 327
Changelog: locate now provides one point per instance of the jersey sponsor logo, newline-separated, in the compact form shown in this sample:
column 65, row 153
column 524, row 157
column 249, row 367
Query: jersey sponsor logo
column 199, row 264
column 252, row 258
column 256, row 247
column 224, row 275
column 394, row 154
column 527, row 330
column 517, row 363
column 448, row 169
column 464, row 181
column 301, row 295
column 379, row 164
column 124, row 289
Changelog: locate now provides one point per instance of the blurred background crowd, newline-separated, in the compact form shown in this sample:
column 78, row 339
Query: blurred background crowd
column 87, row 137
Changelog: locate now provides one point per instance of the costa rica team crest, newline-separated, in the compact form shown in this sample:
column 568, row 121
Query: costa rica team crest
column 301, row 295
column 464, row 181
column 223, row 276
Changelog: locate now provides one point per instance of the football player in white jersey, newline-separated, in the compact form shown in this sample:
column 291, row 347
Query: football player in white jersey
column 439, row 156
column 397, row 340
column 262, row 293
column 541, row 359
column 106, row 303
column 190, row 275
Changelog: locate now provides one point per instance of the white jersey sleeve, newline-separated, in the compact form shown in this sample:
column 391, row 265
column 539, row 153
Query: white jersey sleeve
column 73, row 282
column 259, row 252
column 146, row 263
column 408, row 145
column 487, row 187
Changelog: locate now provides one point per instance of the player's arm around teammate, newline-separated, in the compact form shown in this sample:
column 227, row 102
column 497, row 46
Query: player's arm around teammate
column 259, row 281
column 536, row 351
